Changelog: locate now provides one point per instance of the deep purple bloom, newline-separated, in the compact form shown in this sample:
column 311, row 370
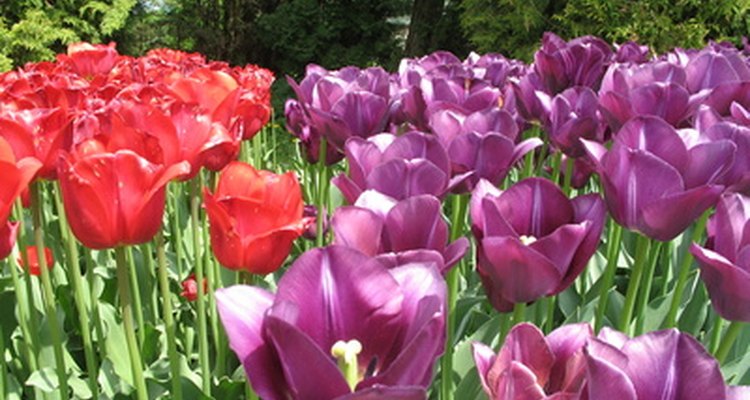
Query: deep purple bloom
column 481, row 145
column 337, row 105
column 712, row 127
column 333, row 297
column 658, row 180
column 437, row 81
column 574, row 115
column 666, row 364
column 632, row 52
column 532, row 366
column 398, row 166
column 378, row 224
column 725, row 261
column 532, row 241
column 716, row 66
column 578, row 62
column 657, row 88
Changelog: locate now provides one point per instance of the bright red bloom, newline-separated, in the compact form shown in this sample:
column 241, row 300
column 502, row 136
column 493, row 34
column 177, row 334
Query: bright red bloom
column 190, row 288
column 254, row 217
column 14, row 179
column 113, row 199
column 90, row 60
column 32, row 256
column 8, row 232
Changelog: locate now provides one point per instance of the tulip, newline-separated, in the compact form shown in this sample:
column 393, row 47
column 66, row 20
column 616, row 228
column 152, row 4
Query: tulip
column 89, row 60
column 481, row 145
column 14, row 179
column 573, row 115
column 397, row 166
column 725, row 261
column 114, row 199
column 578, row 62
column 340, row 322
column 190, row 288
column 632, row 52
column 665, row 364
column 532, row 241
column 32, row 256
column 8, row 232
column 378, row 224
column 658, row 180
column 532, row 366
column 337, row 105
column 254, row 217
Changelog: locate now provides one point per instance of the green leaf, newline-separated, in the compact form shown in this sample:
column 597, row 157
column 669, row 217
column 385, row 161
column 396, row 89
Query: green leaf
column 44, row 379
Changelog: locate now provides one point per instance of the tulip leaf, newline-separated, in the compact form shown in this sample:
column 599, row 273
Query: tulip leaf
column 656, row 312
column 470, row 388
column 44, row 379
column 463, row 360
column 81, row 389
column 13, row 390
column 695, row 313
column 110, row 381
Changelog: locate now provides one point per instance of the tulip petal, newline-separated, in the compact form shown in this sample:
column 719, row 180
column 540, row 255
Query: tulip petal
column 8, row 232
column 738, row 392
column 605, row 379
column 669, row 216
column 416, row 223
column 401, row 178
column 341, row 295
column 535, row 207
column 484, row 358
column 561, row 246
column 358, row 228
column 378, row 392
column 297, row 352
column 726, row 283
column 518, row 383
column 655, row 136
column 242, row 310
column 518, row 273
column 708, row 162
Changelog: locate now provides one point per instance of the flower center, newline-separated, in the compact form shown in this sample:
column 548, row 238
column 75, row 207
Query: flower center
column 346, row 356
column 527, row 240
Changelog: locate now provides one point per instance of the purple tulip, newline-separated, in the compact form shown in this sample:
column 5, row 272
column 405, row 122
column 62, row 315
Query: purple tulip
column 398, row 166
column 666, row 364
column 574, row 115
column 657, row 89
column 531, row 366
column 632, row 52
column 494, row 68
column 378, row 224
column 715, row 66
column 532, row 241
column 337, row 105
column 578, row 62
column 737, row 177
column 658, row 180
column 725, row 261
column 481, row 145
column 341, row 326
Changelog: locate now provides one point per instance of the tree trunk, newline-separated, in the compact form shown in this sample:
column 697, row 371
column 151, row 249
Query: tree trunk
column 425, row 16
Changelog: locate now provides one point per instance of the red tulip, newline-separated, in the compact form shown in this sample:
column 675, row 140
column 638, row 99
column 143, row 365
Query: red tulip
column 8, row 232
column 113, row 199
column 190, row 288
column 32, row 256
column 254, row 216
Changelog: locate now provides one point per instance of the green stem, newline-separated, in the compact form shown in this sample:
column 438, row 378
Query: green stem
column 212, row 283
column 639, row 265
column 322, row 193
column 49, row 293
column 98, row 325
column 23, row 241
column 24, row 308
column 646, row 288
column 123, row 287
column 682, row 278
column 169, row 326
column 613, row 252
column 137, row 304
column 176, row 191
column 74, row 270
column 195, row 221
column 459, row 205
column 713, row 342
column 148, row 259
column 556, row 166
column 733, row 331
column 519, row 313
column 568, row 175
column 549, row 323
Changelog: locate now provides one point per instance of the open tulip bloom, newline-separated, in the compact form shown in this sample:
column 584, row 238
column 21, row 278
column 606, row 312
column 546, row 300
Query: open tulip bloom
column 658, row 180
column 340, row 326
column 572, row 364
column 378, row 224
column 532, row 241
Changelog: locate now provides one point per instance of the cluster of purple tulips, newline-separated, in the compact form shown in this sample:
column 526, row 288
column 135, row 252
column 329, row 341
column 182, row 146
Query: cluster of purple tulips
column 664, row 138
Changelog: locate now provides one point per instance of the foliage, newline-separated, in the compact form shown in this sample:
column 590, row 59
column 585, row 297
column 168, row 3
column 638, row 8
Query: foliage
column 33, row 30
column 514, row 27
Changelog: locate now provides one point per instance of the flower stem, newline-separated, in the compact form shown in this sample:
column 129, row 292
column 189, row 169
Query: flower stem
column 613, row 252
column 123, row 287
column 74, row 270
column 322, row 193
column 195, row 203
column 639, row 265
column 49, row 293
column 174, row 198
column 733, row 331
column 519, row 313
column 137, row 304
column 25, row 308
column 682, row 279
column 646, row 288
column 169, row 327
